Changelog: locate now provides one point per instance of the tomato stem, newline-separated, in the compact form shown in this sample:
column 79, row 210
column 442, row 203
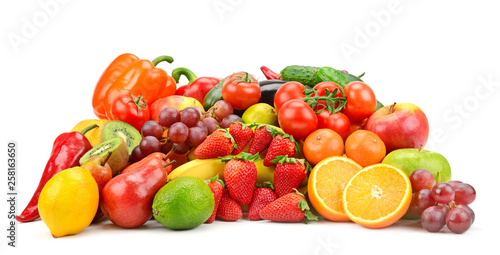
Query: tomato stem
column 312, row 99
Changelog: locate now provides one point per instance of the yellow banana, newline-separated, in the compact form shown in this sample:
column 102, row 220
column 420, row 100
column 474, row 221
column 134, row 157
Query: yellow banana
column 200, row 168
column 208, row 168
column 264, row 173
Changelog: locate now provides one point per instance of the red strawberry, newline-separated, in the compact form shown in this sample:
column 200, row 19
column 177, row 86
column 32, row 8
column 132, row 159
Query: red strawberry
column 229, row 209
column 242, row 135
column 280, row 145
column 240, row 175
column 262, row 137
column 292, row 207
column 262, row 196
column 288, row 174
column 217, row 186
column 218, row 144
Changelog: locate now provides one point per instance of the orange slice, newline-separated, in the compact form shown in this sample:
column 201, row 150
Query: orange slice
column 377, row 196
column 326, row 185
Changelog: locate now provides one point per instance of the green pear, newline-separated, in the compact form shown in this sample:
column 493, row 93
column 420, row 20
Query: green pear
column 411, row 159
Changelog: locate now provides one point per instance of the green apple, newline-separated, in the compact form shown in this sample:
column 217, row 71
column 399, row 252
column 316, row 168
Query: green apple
column 411, row 159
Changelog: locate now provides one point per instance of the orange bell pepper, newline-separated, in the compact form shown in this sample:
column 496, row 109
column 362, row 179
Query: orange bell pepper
column 126, row 74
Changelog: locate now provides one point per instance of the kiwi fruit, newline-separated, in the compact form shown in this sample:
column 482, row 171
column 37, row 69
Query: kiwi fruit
column 119, row 154
column 127, row 132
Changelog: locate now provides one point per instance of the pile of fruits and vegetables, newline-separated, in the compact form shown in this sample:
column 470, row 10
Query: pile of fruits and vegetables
column 306, row 144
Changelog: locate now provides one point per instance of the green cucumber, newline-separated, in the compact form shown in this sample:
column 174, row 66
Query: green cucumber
column 311, row 75
column 303, row 74
column 330, row 74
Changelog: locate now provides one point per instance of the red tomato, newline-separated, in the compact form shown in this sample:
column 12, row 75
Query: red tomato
column 330, row 86
column 130, row 109
column 337, row 122
column 288, row 91
column 361, row 101
column 297, row 118
column 241, row 90
column 356, row 125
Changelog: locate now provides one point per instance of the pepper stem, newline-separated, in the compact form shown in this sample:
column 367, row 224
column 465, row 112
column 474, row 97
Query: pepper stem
column 87, row 129
column 159, row 59
column 177, row 72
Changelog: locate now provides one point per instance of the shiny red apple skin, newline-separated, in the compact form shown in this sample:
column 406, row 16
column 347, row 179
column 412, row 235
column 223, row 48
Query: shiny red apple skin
column 400, row 125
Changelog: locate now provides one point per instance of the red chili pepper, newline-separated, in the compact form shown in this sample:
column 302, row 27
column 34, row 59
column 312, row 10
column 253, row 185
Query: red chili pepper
column 197, row 87
column 67, row 150
column 270, row 74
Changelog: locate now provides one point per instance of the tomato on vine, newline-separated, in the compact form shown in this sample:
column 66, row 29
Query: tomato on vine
column 361, row 101
column 337, row 122
column 288, row 91
column 329, row 86
column 297, row 119
column 241, row 90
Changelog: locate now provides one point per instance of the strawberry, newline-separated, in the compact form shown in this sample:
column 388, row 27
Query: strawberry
column 218, row 144
column 242, row 135
column 229, row 209
column 217, row 186
column 291, row 207
column 262, row 137
column 240, row 175
column 288, row 174
column 280, row 145
column 262, row 196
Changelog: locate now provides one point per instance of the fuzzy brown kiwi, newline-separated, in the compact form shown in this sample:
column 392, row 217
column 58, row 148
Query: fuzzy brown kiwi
column 119, row 154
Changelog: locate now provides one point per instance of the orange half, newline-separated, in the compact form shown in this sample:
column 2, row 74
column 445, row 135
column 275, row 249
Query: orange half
column 377, row 196
column 326, row 185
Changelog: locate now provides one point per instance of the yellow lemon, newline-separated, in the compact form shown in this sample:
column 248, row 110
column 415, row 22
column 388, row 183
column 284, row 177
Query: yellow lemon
column 69, row 201
column 94, row 135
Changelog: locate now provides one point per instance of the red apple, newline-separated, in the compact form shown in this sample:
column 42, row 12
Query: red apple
column 401, row 125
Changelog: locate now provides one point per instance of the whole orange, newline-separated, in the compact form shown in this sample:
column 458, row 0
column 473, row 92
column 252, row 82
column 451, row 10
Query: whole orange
column 321, row 144
column 365, row 147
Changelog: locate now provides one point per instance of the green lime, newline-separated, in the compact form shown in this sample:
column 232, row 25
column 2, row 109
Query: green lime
column 183, row 203
column 260, row 113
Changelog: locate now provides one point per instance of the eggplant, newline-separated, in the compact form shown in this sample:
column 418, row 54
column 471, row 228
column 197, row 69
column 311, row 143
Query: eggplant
column 268, row 89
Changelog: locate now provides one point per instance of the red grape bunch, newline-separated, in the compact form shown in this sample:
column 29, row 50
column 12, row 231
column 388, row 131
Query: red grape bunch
column 221, row 114
column 184, row 130
column 441, row 204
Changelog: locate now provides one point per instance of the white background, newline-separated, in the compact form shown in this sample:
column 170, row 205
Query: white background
column 440, row 55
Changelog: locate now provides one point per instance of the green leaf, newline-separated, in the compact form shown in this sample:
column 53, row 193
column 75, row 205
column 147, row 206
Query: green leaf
column 310, row 216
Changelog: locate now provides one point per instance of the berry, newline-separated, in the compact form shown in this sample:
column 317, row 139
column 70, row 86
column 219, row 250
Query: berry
column 280, row 145
column 261, row 197
column 288, row 174
column 458, row 220
column 262, row 137
column 422, row 179
column 229, row 209
column 465, row 194
column 242, row 135
column 289, row 208
column 433, row 219
column 217, row 186
column 219, row 144
column 240, row 176
column 443, row 193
